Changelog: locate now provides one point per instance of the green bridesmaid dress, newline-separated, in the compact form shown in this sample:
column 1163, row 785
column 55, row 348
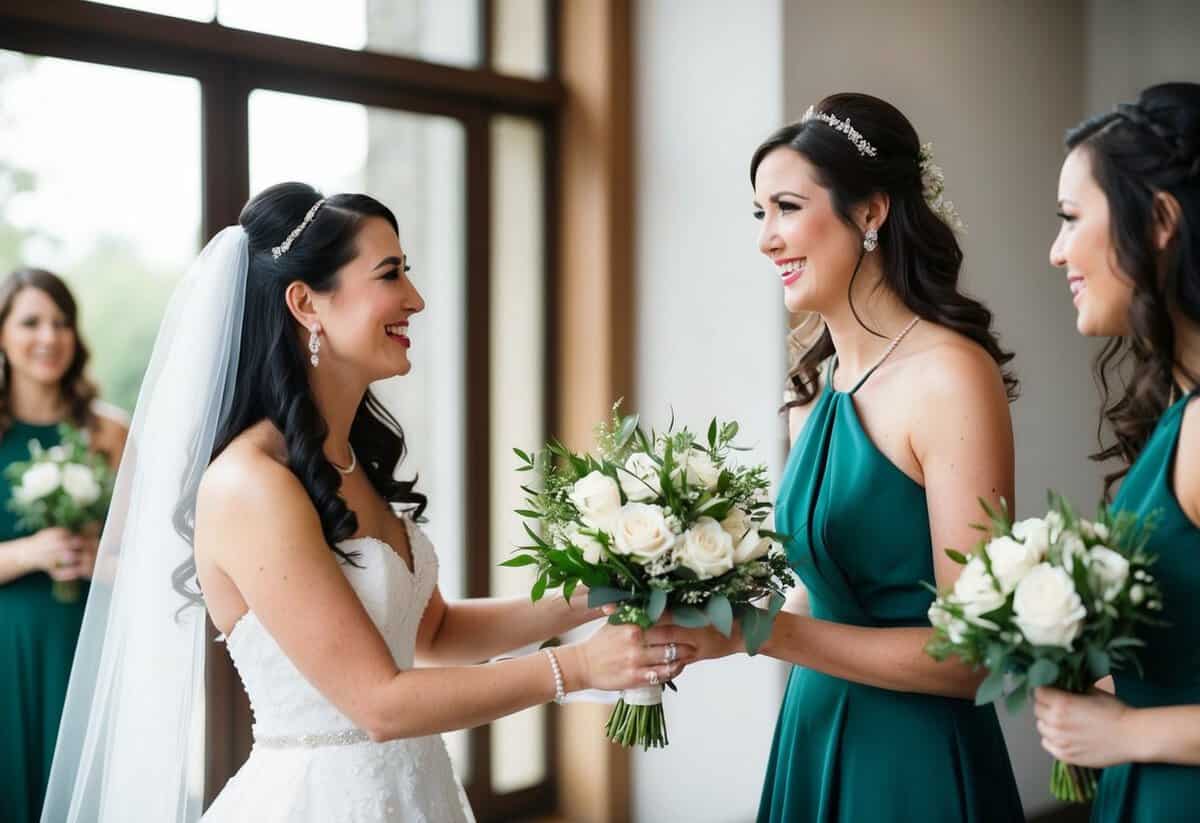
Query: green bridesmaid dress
column 845, row 752
column 37, row 645
column 1159, row 792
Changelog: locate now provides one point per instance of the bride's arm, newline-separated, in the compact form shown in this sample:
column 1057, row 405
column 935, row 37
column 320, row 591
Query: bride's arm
column 468, row 631
column 965, row 449
column 256, row 526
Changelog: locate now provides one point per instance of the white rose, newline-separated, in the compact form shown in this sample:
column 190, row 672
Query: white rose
column 57, row 453
column 701, row 471
column 1100, row 530
column 641, row 532
column 1046, row 607
column 80, row 483
column 1034, row 533
column 1093, row 531
column 1071, row 548
column 593, row 549
column 707, row 549
column 1012, row 560
column 939, row 618
column 640, row 481
column 738, row 524
column 598, row 500
column 751, row 547
column 976, row 591
column 1108, row 571
column 40, row 480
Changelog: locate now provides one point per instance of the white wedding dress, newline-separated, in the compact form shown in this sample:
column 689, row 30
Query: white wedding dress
column 309, row 763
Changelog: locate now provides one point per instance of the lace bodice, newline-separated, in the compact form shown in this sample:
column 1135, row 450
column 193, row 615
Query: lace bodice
column 283, row 702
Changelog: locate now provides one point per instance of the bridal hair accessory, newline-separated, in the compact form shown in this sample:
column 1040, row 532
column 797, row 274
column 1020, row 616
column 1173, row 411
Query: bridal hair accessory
column 860, row 142
column 282, row 248
column 933, row 188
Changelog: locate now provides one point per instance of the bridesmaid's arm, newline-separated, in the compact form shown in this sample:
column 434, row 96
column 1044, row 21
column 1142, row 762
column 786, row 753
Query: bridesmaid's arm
column 964, row 445
column 468, row 631
column 1098, row 730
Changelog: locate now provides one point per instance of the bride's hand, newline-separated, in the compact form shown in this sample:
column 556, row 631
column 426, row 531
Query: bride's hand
column 620, row 657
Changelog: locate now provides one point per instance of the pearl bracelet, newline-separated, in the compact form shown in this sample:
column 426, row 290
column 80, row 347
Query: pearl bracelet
column 560, row 692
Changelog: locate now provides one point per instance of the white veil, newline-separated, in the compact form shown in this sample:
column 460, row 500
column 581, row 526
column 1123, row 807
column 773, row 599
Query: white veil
column 130, row 746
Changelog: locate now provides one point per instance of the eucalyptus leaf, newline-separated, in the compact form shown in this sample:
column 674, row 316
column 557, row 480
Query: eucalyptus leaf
column 1042, row 673
column 1099, row 663
column 689, row 617
column 657, row 604
column 720, row 613
column 991, row 688
column 603, row 595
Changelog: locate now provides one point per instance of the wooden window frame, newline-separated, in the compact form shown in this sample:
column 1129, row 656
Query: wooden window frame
column 228, row 64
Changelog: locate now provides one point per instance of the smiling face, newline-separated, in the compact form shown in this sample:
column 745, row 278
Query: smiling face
column 37, row 338
column 1084, row 248
column 364, row 320
column 813, row 249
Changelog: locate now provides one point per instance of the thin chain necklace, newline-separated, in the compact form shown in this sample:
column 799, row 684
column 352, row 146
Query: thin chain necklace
column 353, row 462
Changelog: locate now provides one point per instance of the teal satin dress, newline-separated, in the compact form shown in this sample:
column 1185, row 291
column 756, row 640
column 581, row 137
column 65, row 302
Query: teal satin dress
column 845, row 752
column 1160, row 792
column 37, row 645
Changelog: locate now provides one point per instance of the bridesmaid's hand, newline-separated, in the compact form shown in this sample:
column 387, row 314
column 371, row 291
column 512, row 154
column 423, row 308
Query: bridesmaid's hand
column 709, row 644
column 55, row 551
column 1085, row 729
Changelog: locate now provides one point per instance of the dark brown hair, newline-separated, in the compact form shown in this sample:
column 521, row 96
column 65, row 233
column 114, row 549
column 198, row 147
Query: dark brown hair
column 1138, row 151
column 921, row 255
column 78, row 391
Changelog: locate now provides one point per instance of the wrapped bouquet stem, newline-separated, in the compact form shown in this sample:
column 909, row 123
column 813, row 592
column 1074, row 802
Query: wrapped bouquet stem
column 650, row 523
column 1050, row 601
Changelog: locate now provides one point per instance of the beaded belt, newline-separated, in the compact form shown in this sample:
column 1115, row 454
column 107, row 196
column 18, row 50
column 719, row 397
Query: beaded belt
column 311, row 741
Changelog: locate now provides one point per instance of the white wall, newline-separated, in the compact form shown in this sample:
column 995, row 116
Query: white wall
column 709, row 341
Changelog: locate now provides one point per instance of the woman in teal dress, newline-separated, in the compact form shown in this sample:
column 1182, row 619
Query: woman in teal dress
column 43, row 384
column 900, row 423
column 1129, row 199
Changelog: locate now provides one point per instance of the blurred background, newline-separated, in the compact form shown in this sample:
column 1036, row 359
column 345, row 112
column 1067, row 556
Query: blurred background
column 571, row 181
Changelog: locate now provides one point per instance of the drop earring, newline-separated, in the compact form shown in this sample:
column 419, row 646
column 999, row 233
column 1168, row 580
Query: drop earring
column 314, row 346
column 870, row 240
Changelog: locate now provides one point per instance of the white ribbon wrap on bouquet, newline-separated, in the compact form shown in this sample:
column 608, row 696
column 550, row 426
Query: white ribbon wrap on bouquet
column 644, row 696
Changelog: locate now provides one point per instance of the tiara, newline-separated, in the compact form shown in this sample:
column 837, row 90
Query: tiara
column 282, row 248
column 860, row 142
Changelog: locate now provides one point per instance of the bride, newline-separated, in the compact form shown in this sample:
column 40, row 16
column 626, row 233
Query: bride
column 259, row 482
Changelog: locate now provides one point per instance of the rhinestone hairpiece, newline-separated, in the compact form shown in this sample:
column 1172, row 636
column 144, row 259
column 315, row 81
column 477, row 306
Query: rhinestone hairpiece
column 282, row 248
column 860, row 142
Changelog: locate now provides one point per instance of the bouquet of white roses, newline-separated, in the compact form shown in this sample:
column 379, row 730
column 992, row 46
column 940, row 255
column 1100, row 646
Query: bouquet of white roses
column 1050, row 601
column 655, row 522
column 65, row 486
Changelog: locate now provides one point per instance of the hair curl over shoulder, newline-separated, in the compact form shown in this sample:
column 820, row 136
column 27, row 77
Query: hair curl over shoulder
column 1136, row 152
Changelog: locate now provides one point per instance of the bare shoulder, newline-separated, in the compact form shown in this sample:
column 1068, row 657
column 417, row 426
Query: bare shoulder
column 961, row 394
column 110, row 430
column 250, row 487
column 953, row 366
column 1187, row 462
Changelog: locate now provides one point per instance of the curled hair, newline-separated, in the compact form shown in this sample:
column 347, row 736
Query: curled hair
column 78, row 391
column 1136, row 152
column 921, row 255
column 272, row 378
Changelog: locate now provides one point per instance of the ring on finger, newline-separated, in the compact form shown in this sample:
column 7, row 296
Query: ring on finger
column 652, row 676
column 671, row 654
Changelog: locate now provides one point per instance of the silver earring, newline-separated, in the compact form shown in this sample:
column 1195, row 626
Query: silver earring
column 314, row 346
column 870, row 240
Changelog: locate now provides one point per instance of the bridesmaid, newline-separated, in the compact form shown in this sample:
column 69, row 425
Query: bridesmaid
column 900, row 423
column 1129, row 199
column 42, row 384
